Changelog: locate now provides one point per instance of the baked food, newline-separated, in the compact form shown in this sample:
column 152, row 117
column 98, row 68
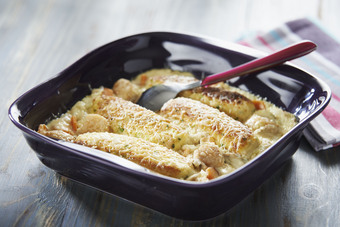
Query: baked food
column 202, row 134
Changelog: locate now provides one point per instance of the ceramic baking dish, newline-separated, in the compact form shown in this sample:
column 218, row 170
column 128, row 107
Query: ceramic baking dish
column 287, row 86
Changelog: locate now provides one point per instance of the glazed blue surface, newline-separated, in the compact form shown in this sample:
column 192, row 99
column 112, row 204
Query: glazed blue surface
column 287, row 86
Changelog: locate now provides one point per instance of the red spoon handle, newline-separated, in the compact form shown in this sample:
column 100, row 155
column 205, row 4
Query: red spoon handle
column 291, row 52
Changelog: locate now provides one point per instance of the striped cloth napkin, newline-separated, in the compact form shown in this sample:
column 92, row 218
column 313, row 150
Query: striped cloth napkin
column 324, row 131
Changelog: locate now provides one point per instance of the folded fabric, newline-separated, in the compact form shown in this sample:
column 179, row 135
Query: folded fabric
column 324, row 131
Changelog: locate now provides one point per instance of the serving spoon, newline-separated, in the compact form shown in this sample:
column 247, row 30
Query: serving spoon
column 154, row 97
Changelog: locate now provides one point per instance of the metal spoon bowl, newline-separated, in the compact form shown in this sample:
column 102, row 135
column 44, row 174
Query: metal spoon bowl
column 154, row 97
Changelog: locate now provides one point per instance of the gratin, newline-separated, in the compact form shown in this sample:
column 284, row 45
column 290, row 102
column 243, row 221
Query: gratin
column 200, row 135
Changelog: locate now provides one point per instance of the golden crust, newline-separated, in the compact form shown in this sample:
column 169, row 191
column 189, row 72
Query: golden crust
column 232, row 103
column 130, row 119
column 228, row 133
column 150, row 155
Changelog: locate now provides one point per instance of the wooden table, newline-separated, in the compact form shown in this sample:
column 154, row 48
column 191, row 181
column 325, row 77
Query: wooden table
column 39, row 38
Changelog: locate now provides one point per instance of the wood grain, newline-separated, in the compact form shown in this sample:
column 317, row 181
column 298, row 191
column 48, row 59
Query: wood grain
column 39, row 38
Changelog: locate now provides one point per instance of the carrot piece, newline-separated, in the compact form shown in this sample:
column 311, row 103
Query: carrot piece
column 143, row 79
column 212, row 173
column 74, row 123
column 259, row 105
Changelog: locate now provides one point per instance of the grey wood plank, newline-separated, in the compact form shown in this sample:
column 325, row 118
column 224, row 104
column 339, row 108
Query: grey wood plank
column 40, row 38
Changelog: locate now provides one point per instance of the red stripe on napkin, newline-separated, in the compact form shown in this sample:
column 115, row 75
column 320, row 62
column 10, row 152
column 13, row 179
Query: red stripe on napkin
column 332, row 116
column 265, row 43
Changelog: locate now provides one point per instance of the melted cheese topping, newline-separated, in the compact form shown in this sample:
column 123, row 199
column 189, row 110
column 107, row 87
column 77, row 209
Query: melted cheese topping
column 231, row 135
column 233, row 104
column 149, row 155
column 127, row 118
column 203, row 134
